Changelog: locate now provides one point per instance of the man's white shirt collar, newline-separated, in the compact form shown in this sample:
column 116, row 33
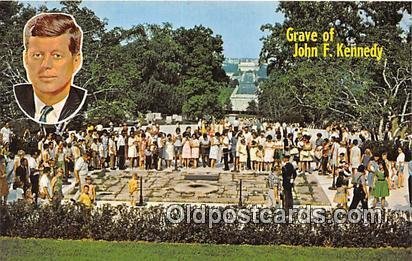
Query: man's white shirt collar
column 53, row 116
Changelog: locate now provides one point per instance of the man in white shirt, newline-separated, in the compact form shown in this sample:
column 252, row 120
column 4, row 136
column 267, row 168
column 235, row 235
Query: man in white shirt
column 6, row 132
column 45, row 190
column 16, row 193
column 33, row 172
column 81, row 169
column 236, row 123
column 121, row 143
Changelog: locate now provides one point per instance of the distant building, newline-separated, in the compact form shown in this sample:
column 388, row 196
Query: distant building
column 249, row 74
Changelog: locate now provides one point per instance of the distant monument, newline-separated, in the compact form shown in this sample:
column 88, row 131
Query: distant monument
column 249, row 73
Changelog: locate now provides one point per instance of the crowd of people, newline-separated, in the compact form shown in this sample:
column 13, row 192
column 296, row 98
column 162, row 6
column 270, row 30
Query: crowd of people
column 44, row 162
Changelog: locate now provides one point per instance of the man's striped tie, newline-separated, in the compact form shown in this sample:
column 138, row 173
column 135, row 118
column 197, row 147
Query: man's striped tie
column 46, row 110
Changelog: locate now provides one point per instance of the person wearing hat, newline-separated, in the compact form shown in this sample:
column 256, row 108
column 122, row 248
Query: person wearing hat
column 360, row 191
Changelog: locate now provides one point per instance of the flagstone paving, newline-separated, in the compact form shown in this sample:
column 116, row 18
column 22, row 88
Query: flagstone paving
column 201, row 185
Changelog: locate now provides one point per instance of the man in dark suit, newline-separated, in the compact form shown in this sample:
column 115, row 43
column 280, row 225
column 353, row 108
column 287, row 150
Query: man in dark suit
column 52, row 56
column 22, row 174
column 288, row 177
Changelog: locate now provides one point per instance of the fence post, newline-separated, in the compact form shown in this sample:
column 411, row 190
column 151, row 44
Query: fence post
column 333, row 187
column 141, row 192
column 240, row 193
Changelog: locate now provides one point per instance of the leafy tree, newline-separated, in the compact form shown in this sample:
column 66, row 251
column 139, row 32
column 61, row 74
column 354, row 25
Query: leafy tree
column 126, row 71
column 361, row 91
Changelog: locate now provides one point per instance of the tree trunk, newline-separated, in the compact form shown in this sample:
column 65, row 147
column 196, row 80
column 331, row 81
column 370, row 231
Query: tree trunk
column 380, row 129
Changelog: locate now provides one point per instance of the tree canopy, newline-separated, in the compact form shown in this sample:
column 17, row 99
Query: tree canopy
column 127, row 71
column 366, row 92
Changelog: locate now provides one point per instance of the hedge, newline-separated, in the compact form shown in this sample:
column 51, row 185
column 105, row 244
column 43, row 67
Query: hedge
column 123, row 223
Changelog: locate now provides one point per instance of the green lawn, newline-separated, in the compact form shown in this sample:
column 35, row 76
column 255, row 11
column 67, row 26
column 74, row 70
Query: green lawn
column 40, row 249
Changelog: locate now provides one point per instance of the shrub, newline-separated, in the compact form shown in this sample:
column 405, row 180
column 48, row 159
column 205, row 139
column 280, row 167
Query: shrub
column 149, row 224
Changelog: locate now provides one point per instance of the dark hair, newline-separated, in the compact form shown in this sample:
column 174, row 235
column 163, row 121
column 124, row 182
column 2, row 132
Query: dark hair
column 361, row 168
column 385, row 169
column 54, row 24
column 17, row 184
column 355, row 142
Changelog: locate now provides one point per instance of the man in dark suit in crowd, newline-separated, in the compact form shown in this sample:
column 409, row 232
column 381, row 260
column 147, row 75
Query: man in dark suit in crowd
column 22, row 174
column 288, row 177
column 52, row 56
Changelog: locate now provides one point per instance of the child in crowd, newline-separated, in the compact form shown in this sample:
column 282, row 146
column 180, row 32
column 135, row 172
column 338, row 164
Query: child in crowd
column 28, row 197
column 342, row 185
column 155, row 155
column 133, row 189
column 259, row 157
column 148, row 157
column 273, row 183
column 85, row 197
column 169, row 151
column 92, row 189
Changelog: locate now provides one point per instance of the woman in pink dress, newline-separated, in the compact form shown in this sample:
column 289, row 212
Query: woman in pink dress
column 186, row 151
column 195, row 144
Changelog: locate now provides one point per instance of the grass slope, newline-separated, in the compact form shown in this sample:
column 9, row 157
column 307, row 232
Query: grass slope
column 44, row 249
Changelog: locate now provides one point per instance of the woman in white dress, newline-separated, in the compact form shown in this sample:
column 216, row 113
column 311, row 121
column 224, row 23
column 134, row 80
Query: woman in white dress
column 169, row 150
column 242, row 152
column 269, row 152
column 355, row 157
column 132, row 149
column 214, row 149
column 400, row 167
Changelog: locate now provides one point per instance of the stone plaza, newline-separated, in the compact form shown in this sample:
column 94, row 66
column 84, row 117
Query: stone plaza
column 202, row 185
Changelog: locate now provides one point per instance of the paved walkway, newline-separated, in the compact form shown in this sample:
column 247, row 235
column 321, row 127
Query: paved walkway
column 163, row 188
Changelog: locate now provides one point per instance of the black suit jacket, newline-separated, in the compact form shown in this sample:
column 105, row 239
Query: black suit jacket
column 24, row 96
column 288, row 173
